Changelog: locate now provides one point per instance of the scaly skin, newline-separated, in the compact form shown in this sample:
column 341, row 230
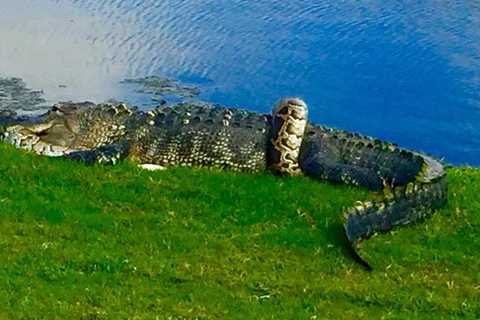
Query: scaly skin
column 71, row 127
column 410, row 185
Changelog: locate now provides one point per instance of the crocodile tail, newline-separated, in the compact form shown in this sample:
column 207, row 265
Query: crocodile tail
column 408, row 184
column 400, row 205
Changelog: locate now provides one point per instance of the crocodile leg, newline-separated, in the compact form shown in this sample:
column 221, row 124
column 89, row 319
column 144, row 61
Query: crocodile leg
column 108, row 154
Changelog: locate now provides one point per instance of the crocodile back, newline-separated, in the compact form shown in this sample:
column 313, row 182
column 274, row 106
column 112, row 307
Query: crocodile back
column 205, row 136
column 350, row 158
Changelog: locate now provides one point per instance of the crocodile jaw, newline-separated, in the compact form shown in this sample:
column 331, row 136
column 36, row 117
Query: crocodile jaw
column 23, row 138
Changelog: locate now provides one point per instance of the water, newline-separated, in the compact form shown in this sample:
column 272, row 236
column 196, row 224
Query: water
column 407, row 72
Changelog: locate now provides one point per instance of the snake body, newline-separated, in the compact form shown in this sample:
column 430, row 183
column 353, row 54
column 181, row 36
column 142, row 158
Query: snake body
column 410, row 184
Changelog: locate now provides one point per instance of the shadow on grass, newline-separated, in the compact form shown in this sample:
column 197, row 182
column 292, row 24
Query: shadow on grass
column 338, row 238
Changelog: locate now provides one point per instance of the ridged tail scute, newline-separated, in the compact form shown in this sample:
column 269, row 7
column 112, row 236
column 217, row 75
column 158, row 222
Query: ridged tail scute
column 410, row 185
column 108, row 154
column 288, row 127
column 398, row 206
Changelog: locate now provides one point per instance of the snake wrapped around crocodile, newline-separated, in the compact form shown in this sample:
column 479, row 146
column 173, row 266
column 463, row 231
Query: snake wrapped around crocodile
column 410, row 184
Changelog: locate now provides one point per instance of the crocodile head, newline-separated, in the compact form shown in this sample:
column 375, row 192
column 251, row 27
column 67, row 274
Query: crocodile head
column 47, row 134
column 49, row 138
column 69, row 127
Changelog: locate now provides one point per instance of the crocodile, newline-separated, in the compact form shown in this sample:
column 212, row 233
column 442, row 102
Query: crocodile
column 409, row 184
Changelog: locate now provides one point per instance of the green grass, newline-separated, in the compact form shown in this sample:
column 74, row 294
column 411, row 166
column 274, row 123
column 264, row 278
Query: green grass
column 117, row 242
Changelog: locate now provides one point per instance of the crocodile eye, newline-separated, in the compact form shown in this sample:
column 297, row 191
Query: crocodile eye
column 196, row 119
column 160, row 117
column 42, row 133
column 310, row 133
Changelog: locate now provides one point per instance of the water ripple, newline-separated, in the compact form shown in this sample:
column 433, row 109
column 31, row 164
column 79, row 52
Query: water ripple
column 407, row 72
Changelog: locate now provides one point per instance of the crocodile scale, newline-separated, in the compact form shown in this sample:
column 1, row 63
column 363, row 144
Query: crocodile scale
column 410, row 184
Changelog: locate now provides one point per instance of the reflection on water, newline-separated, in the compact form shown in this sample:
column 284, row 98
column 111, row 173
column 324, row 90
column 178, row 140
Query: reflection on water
column 407, row 72
column 60, row 49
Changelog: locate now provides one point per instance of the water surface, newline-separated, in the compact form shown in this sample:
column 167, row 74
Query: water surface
column 407, row 72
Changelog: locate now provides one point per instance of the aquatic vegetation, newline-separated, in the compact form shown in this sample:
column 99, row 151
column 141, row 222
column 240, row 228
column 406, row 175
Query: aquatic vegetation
column 15, row 95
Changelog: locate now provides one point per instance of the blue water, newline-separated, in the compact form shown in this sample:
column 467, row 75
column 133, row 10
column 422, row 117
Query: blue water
column 403, row 71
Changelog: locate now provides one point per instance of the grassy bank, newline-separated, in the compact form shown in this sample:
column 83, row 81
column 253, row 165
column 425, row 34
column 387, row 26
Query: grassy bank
column 117, row 242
